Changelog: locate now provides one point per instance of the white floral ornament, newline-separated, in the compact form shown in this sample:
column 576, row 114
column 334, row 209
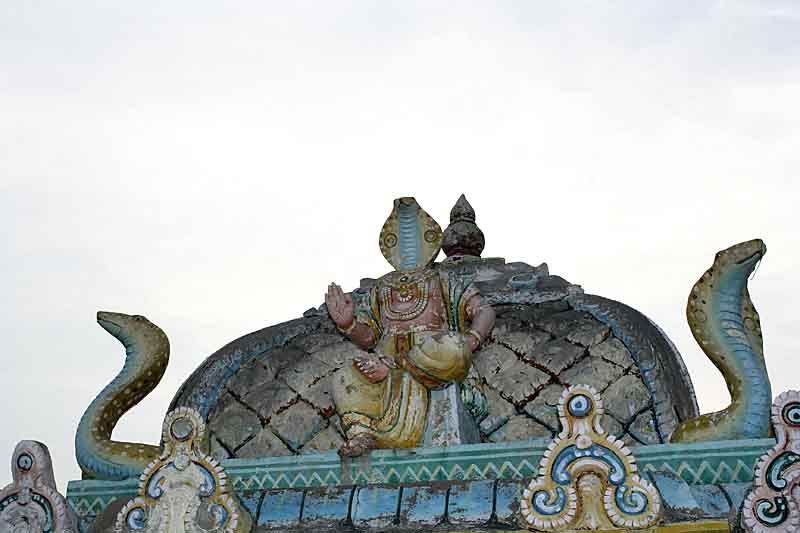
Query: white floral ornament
column 31, row 503
column 184, row 489
column 587, row 478
column 773, row 503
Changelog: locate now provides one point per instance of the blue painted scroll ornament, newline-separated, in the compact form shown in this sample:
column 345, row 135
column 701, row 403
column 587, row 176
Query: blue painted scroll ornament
column 773, row 505
column 587, row 478
column 184, row 489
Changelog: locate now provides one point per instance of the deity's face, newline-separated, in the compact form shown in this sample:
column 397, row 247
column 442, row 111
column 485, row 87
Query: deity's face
column 410, row 239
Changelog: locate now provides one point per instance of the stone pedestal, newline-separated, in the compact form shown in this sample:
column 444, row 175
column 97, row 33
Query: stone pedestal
column 449, row 421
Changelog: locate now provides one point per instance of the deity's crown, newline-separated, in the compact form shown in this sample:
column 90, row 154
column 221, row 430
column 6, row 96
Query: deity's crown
column 410, row 238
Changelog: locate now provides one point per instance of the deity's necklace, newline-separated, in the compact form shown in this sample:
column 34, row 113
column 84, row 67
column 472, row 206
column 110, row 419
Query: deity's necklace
column 406, row 290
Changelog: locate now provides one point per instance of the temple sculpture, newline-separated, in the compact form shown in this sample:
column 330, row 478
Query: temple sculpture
column 588, row 479
column 32, row 503
column 774, row 502
column 465, row 393
column 147, row 357
column 726, row 325
column 421, row 322
column 184, row 489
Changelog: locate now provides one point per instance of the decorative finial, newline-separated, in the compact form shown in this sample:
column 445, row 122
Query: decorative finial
column 773, row 503
column 463, row 237
column 587, row 478
column 31, row 503
column 185, row 489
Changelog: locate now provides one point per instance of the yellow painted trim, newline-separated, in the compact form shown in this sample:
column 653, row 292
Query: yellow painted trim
column 704, row 526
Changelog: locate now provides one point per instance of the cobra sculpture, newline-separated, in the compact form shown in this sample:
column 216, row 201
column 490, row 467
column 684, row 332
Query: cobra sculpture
column 726, row 326
column 146, row 358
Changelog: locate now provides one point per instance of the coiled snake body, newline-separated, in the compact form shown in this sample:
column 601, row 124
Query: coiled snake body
column 726, row 326
column 147, row 355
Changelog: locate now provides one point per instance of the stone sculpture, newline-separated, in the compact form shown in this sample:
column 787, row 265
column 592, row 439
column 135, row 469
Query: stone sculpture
column 467, row 350
column 146, row 358
column 726, row 325
column 773, row 505
column 31, row 503
column 587, row 478
column 253, row 392
column 423, row 325
column 184, row 489
column 270, row 392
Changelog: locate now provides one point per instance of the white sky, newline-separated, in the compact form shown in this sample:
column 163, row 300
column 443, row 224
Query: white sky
column 214, row 166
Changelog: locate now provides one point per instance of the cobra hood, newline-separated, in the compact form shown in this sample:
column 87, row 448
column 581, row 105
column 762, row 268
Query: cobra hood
column 410, row 238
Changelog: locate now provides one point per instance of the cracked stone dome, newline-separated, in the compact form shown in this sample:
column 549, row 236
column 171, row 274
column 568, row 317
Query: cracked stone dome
column 268, row 393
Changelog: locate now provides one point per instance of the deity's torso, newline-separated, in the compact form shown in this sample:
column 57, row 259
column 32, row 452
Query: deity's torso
column 411, row 307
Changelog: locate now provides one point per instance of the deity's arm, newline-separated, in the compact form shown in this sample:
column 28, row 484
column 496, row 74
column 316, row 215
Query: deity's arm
column 350, row 316
column 365, row 328
column 361, row 334
column 481, row 316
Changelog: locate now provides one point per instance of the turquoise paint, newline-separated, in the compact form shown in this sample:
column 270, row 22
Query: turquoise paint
column 570, row 454
column 471, row 503
column 39, row 501
column 328, row 503
column 550, row 504
column 375, row 506
column 423, row 505
column 750, row 368
column 409, row 238
column 280, row 508
column 777, row 467
column 85, row 451
column 693, row 464
column 630, row 501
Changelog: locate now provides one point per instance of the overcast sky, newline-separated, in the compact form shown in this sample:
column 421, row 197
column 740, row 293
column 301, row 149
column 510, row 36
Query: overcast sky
column 214, row 166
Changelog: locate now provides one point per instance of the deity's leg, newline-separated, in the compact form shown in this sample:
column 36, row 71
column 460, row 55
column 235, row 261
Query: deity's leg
column 389, row 414
column 440, row 359
column 359, row 402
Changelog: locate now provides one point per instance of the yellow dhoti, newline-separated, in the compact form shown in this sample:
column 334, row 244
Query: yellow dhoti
column 394, row 411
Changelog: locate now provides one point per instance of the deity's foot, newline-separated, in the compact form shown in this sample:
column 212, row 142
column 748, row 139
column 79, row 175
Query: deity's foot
column 372, row 368
column 358, row 446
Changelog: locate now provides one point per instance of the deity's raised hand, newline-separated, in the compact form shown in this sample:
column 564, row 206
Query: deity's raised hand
column 340, row 306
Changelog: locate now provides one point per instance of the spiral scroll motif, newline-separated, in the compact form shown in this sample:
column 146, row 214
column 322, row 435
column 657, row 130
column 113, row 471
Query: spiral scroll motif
column 31, row 503
column 183, row 481
column 587, row 479
column 772, row 505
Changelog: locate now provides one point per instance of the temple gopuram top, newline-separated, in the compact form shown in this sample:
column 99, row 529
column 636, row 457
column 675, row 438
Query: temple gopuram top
column 453, row 395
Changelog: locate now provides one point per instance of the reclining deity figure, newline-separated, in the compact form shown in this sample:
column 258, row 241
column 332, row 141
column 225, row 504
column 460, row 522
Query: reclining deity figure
column 421, row 324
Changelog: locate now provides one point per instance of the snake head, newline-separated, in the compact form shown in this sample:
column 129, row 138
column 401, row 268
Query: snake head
column 740, row 258
column 132, row 330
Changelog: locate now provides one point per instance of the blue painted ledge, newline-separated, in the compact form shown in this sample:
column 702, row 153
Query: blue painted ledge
column 723, row 464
